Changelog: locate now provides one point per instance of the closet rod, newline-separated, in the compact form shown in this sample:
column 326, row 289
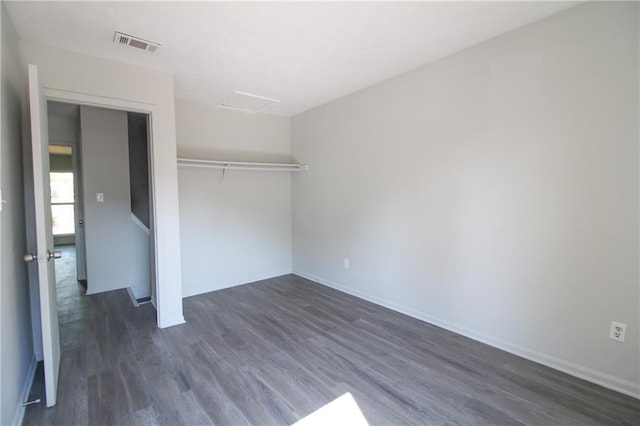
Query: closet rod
column 237, row 165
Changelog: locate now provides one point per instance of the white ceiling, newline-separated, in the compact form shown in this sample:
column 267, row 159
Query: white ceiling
column 304, row 54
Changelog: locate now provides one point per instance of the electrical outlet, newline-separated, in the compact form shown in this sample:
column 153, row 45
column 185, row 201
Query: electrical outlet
column 345, row 263
column 617, row 331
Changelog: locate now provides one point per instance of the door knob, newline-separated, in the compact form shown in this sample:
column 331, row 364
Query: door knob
column 29, row 257
column 56, row 254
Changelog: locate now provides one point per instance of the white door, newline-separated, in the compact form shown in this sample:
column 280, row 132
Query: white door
column 44, row 254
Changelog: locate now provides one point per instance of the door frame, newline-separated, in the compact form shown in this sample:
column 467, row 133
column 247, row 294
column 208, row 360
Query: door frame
column 151, row 110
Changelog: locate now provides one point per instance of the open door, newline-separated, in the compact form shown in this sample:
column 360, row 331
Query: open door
column 44, row 253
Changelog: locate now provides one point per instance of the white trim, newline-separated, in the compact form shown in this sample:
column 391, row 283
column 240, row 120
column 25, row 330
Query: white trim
column 162, row 283
column 67, row 96
column 132, row 296
column 603, row 379
column 165, row 323
column 18, row 415
column 139, row 224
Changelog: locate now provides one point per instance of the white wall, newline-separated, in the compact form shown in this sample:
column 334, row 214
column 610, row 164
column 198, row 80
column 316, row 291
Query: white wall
column 494, row 192
column 107, row 224
column 139, row 277
column 237, row 231
column 16, row 349
column 67, row 74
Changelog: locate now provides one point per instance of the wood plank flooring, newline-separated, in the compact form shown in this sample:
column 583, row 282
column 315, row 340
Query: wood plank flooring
column 271, row 352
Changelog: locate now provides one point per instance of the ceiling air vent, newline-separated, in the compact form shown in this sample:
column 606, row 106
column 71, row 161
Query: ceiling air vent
column 136, row 42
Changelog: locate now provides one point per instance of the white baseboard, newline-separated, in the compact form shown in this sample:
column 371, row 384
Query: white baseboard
column 132, row 296
column 18, row 415
column 170, row 323
column 603, row 379
column 104, row 290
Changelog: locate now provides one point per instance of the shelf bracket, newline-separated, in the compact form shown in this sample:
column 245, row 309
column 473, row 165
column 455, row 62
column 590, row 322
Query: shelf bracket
column 224, row 171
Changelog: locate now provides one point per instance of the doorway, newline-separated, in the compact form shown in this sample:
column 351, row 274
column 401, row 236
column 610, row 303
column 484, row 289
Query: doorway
column 63, row 193
column 100, row 196
column 66, row 202
column 40, row 253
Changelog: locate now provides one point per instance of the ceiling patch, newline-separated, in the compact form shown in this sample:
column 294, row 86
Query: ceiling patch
column 135, row 42
column 247, row 102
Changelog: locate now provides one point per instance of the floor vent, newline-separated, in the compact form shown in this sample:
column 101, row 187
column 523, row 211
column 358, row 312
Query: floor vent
column 135, row 42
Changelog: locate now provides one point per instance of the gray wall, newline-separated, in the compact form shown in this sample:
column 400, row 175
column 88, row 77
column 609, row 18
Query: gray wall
column 117, row 249
column 141, row 279
column 237, row 231
column 16, row 349
column 139, row 166
column 493, row 192
column 64, row 123
column 105, row 166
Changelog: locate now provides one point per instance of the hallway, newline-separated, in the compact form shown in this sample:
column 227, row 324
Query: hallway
column 85, row 328
column 72, row 305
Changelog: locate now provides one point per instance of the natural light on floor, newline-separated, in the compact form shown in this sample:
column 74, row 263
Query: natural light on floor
column 341, row 411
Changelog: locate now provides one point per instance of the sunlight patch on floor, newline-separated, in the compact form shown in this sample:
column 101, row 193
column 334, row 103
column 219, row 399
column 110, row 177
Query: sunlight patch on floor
column 341, row 411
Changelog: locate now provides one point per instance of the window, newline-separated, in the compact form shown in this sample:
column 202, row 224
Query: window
column 62, row 202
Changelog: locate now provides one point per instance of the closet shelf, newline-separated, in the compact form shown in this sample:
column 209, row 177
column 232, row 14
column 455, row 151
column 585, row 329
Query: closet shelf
column 237, row 165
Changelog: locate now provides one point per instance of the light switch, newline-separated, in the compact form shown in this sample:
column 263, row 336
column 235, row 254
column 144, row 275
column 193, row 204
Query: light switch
column 100, row 197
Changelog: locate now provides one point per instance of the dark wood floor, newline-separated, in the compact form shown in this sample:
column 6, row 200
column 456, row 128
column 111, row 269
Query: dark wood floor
column 274, row 351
